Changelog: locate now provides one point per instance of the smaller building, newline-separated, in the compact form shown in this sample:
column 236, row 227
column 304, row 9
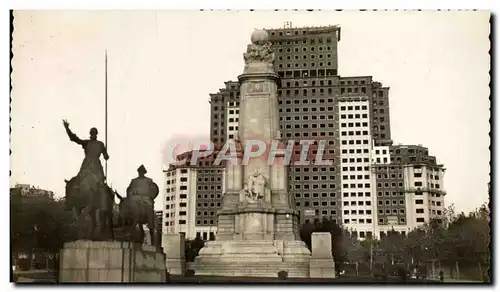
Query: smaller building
column 193, row 195
column 33, row 191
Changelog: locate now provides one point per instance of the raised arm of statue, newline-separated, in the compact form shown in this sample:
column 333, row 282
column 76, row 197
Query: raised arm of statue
column 72, row 136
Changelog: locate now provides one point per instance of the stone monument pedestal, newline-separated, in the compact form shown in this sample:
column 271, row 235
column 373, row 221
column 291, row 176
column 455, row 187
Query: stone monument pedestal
column 86, row 261
column 174, row 249
column 253, row 258
column 322, row 264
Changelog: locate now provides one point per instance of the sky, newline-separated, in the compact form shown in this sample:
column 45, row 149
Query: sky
column 162, row 65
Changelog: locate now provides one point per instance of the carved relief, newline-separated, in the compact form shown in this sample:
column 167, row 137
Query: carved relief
column 257, row 87
column 259, row 53
column 255, row 187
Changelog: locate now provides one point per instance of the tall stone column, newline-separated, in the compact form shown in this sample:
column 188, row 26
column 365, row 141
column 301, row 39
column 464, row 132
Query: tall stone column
column 257, row 227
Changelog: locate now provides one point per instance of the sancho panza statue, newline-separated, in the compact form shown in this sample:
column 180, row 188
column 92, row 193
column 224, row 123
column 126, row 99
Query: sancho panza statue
column 138, row 207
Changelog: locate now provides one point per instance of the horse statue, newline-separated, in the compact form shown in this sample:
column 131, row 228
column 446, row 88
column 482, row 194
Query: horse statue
column 138, row 207
column 97, row 205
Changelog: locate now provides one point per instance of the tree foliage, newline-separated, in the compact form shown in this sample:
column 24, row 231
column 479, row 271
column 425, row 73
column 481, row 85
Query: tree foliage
column 38, row 222
column 456, row 238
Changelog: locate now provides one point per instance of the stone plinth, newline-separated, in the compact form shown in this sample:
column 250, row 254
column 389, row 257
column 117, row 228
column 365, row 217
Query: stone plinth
column 112, row 262
column 322, row 264
column 174, row 249
column 253, row 258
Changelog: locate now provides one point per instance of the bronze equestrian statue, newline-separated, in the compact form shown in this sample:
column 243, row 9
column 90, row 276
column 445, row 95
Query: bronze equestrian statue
column 87, row 193
column 138, row 207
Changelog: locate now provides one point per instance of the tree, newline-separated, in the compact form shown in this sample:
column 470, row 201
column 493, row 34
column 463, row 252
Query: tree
column 192, row 248
column 38, row 221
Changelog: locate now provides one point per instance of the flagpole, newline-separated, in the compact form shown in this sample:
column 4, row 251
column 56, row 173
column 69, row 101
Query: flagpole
column 106, row 110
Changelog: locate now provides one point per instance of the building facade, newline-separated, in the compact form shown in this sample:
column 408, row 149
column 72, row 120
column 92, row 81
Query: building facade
column 193, row 194
column 351, row 114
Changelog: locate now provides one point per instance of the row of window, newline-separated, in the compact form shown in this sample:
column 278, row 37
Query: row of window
column 305, row 82
column 357, row 212
column 315, row 195
column 356, row 203
column 384, row 160
column 352, row 90
column 304, row 101
column 307, row 118
column 201, row 188
column 419, row 184
column 356, row 151
column 208, row 205
column 315, row 204
column 306, row 134
column 181, row 205
column 354, row 116
column 419, row 174
column 172, row 198
column 205, row 222
column 313, row 169
column 314, row 178
column 313, row 186
column 354, row 133
column 307, row 73
column 354, row 177
column 306, row 109
column 211, row 196
column 392, row 185
column 394, row 202
column 171, row 223
column 304, row 65
column 312, row 41
column 401, row 220
column 353, row 186
column 208, row 179
column 205, row 213
column 356, row 107
column 388, row 211
column 304, row 49
column 387, row 194
column 356, row 160
column 352, row 125
column 353, row 194
column 360, row 221
column 305, row 92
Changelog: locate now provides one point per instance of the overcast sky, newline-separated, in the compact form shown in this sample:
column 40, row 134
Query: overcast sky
column 162, row 65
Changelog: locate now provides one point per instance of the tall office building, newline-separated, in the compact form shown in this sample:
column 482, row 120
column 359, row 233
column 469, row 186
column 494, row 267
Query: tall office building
column 352, row 115
column 193, row 194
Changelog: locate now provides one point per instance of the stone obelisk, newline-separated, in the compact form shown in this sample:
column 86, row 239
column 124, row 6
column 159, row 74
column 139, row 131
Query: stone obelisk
column 257, row 228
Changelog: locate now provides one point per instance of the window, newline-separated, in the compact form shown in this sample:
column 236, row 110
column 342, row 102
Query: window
column 420, row 220
column 182, row 222
column 419, row 202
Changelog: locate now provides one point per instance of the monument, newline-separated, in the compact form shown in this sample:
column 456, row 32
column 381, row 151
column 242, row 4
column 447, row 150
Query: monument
column 257, row 232
column 95, row 256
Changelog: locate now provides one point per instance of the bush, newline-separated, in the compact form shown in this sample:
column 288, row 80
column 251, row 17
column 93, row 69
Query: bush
column 189, row 273
column 282, row 275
